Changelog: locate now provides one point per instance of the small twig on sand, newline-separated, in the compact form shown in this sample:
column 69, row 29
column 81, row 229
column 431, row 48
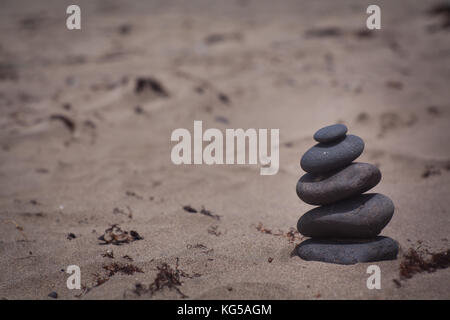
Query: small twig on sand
column 18, row 227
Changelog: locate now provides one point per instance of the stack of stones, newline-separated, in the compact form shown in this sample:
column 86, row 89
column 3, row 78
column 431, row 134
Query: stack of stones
column 345, row 227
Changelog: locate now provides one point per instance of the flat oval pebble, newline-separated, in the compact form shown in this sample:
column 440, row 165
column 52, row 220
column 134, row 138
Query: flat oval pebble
column 348, row 251
column 354, row 179
column 330, row 133
column 363, row 216
column 325, row 157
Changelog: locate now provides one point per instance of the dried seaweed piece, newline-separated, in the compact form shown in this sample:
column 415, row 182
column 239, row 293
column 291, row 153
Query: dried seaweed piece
column 394, row 84
column 71, row 236
column 69, row 123
column 124, row 29
column 166, row 278
column 223, row 98
column 197, row 246
column 414, row 263
column 135, row 235
column 112, row 269
column 32, row 214
column 364, row 33
column 430, row 170
column 209, row 213
column 203, row 211
column 441, row 10
column 133, row 194
column 434, row 110
column 120, row 211
column 397, row 282
column 219, row 37
column 152, row 84
column 189, row 209
column 115, row 235
column 261, row 228
column 169, row 277
column 98, row 281
column 34, row 202
column 18, row 227
column 362, row 117
column 108, row 254
column 292, row 235
column 127, row 269
column 200, row 246
column 139, row 289
column 138, row 110
column 214, row 231
column 222, row 119
column 323, row 32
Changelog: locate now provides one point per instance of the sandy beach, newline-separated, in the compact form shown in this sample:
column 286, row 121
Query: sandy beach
column 86, row 118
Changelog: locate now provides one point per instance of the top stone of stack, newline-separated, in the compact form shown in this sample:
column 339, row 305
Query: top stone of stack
column 330, row 133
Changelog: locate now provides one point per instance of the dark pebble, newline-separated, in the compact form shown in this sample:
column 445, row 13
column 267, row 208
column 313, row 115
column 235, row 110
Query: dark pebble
column 53, row 295
column 330, row 133
column 363, row 216
column 325, row 157
column 71, row 236
column 354, row 179
column 348, row 251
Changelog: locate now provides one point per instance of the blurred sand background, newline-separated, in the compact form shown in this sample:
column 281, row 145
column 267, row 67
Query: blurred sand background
column 292, row 65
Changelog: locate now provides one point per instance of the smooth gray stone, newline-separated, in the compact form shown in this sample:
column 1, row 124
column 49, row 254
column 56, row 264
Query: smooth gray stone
column 363, row 216
column 348, row 251
column 325, row 157
column 330, row 133
column 354, row 179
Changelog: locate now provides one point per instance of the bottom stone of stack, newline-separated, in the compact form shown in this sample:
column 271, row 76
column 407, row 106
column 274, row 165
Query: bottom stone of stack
column 348, row 251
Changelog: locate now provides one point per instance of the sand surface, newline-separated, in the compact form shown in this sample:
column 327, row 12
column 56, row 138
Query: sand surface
column 114, row 167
